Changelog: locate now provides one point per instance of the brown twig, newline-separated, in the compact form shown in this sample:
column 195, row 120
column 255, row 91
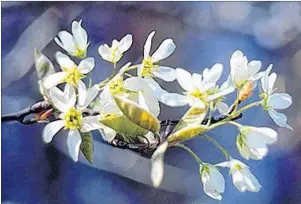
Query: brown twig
column 167, row 126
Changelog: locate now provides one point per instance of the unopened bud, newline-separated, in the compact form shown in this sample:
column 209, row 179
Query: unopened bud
column 246, row 91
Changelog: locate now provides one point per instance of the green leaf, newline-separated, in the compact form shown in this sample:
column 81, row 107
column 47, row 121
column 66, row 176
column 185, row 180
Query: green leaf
column 137, row 114
column 44, row 66
column 195, row 115
column 187, row 133
column 87, row 145
column 122, row 124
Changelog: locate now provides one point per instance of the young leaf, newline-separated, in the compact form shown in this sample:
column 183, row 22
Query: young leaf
column 122, row 124
column 43, row 65
column 157, row 168
column 195, row 115
column 87, row 146
column 187, row 132
column 138, row 114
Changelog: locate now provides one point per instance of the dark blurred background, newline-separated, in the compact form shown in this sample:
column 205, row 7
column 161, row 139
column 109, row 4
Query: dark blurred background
column 205, row 33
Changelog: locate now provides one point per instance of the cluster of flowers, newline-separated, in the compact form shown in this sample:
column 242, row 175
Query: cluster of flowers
column 129, row 105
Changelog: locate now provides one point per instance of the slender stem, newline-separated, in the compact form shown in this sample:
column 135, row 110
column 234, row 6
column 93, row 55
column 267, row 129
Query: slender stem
column 131, row 68
column 225, row 152
column 190, row 152
column 236, row 103
column 247, row 107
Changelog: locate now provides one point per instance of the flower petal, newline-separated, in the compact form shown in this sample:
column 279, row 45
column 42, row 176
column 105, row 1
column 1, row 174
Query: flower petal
column 253, row 67
column 54, row 79
column 105, row 52
column 82, row 93
column 58, row 99
column 173, row 99
column 73, row 143
column 86, row 65
column 80, row 35
column 184, row 79
column 279, row 101
column 67, row 41
column 166, row 48
column 91, row 94
column 165, row 73
column 63, row 101
column 238, row 181
column 222, row 107
column 250, row 180
column 239, row 67
column 271, row 81
column 224, row 164
column 197, row 81
column 70, row 95
column 261, row 134
column 156, row 88
column 217, row 180
column 64, row 61
column 124, row 67
column 90, row 123
column 157, row 168
column 51, row 129
column 148, row 44
column 280, row 119
column 125, row 43
column 212, row 75
column 108, row 134
column 151, row 101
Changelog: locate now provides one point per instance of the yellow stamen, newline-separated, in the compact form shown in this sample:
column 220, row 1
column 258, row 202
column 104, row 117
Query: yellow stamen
column 73, row 75
column 147, row 67
column 116, row 85
column 73, row 119
column 197, row 93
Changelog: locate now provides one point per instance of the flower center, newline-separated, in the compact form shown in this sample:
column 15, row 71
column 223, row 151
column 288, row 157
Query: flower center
column 115, row 56
column 265, row 98
column 73, row 119
column 80, row 53
column 73, row 75
column 116, row 86
column 197, row 93
column 147, row 66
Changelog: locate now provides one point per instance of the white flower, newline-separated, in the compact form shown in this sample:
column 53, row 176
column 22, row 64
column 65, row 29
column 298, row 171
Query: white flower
column 242, row 71
column 113, row 54
column 75, row 44
column 274, row 101
column 148, row 68
column 252, row 141
column 199, row 89
column 242, row 178
column 71, row 117
column 213, row 181
column 71, row 73
column 226, row 88
column 136, row 88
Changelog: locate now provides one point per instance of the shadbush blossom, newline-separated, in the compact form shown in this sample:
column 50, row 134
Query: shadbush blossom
column 75, row 44
column 274, row 101
column 213, row 181
column 149, row 66
column 71, row 119
column 242, row 178
column 126, row 107
column 114, row 53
